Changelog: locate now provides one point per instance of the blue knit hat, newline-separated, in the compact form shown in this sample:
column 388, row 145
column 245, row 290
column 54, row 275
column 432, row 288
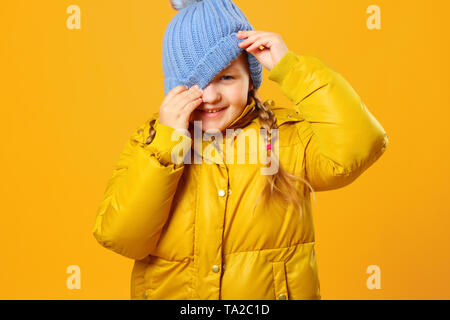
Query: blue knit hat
column 200, row 41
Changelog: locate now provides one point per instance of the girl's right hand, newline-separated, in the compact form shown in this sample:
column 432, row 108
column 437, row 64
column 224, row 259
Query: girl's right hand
column 178, row 106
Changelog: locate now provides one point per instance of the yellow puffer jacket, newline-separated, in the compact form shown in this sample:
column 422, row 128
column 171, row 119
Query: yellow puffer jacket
column 190, row 227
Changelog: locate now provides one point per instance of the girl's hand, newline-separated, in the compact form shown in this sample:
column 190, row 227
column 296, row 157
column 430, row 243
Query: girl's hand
column 274, row 46
column 178, row 105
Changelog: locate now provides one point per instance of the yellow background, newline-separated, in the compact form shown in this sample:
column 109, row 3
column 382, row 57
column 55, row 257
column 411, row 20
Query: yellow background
column 70, row 99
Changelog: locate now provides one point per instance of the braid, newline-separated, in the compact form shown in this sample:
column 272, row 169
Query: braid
column 283, row 184
column 151, row 132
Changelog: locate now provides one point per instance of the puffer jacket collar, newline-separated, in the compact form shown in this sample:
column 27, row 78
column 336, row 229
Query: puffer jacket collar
column 246, row 116
column 249, row 115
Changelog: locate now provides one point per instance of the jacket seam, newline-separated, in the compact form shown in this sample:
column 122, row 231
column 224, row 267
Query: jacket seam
column 345, row 172
column 294, row 245
column 226, row 254
column 169, row 260
column 194, row 279
column 314, row 91
column 273, row 283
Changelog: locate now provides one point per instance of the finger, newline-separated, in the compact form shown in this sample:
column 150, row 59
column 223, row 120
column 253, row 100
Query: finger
column 256, row 45
column 251, row 40
column 187, row 96
column 247, row 33
column 191, row 106
column 175, row 91
column 192, row 94
column 185, row 93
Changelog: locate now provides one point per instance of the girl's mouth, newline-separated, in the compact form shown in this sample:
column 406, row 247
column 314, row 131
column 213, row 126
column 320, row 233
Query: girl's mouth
column 211, row 113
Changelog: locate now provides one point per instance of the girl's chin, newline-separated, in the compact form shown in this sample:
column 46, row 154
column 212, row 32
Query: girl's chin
column 209, row 123
column 211, row 129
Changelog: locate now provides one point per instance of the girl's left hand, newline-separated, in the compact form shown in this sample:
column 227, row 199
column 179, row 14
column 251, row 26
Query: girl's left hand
column 274, row 46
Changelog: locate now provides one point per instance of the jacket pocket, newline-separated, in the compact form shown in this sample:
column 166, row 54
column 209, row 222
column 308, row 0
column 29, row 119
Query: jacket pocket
column 166, row 279
column 280, row 280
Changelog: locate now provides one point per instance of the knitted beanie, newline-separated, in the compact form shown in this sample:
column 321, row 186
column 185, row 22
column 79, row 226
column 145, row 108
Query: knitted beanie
column 200, row 41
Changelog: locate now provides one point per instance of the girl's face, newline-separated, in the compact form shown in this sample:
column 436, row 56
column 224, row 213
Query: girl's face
column 227, row 92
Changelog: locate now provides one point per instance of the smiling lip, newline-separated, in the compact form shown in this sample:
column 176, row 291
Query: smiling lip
column 205, row 113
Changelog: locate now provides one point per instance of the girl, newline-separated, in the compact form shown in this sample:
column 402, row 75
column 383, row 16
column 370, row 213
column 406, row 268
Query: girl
column 196, row 229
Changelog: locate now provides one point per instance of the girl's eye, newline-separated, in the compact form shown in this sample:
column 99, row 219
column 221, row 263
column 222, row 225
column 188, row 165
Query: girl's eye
column 229, row 77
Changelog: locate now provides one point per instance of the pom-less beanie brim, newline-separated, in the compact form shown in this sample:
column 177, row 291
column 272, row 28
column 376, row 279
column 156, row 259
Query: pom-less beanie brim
column 214, row 61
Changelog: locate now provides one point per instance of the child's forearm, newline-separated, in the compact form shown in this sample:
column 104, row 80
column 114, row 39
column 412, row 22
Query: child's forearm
column 342, row 136
column 138, row 197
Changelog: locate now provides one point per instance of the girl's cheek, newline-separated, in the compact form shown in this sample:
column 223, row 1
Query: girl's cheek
column 237, row 93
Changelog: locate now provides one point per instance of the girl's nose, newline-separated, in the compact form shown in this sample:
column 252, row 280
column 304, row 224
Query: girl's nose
column 211, row 94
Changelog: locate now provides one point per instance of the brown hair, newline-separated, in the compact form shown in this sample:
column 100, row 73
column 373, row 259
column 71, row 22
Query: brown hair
column 281, row 185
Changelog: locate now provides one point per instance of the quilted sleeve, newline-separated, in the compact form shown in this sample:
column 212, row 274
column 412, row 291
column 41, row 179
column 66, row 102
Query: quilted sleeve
column 341, row 137
column 139, row 194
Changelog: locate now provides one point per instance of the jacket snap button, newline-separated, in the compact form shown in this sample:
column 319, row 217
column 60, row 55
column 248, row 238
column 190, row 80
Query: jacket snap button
column 229, row 191
column 215, row 268
column 221, row 193
column 140, row 130
column 282, row 297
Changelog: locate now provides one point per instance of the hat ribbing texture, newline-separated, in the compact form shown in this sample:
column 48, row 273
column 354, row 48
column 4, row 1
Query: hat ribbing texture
column 200, row 41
